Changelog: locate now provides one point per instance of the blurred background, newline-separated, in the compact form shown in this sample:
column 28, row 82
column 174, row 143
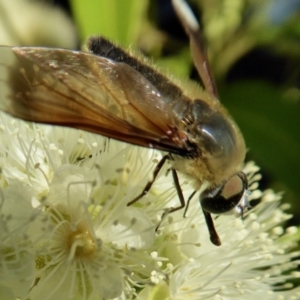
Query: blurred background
column 253, row 46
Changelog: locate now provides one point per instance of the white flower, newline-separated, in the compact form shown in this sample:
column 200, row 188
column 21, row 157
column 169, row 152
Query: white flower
column 90, row 241
column 92, row 234
column 249, row 263
column 66, row 224
column 17, row 260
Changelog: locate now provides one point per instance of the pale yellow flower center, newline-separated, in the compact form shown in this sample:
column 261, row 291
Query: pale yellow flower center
column 81, row 244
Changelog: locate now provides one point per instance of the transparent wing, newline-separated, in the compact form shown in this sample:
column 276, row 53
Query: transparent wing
column 197, row 45
column 81, row 90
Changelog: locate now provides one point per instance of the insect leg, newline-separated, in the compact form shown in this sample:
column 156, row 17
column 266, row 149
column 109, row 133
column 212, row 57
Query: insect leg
column 179, row 193
column 188, row 203
column 211, row 229
column 197, row 45
column 149, row 184
column 180, row 196
column 209, row 221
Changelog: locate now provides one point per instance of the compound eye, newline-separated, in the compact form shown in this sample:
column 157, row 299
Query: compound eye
column 231, row 195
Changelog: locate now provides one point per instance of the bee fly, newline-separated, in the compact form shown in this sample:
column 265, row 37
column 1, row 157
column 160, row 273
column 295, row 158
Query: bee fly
column 113, row 93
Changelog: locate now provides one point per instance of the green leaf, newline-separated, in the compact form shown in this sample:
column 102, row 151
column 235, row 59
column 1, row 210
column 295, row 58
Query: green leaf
column 118, row 20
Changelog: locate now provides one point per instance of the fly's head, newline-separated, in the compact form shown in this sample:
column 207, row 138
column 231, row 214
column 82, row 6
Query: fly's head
column 230, row 197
